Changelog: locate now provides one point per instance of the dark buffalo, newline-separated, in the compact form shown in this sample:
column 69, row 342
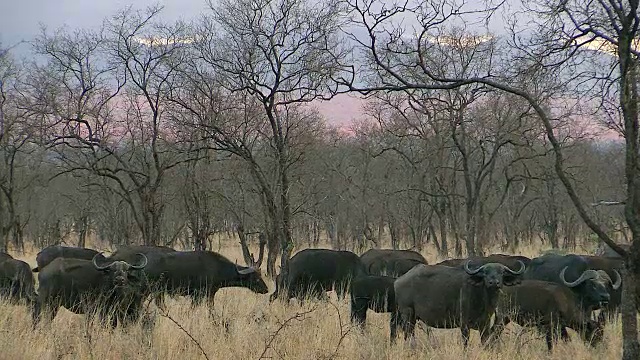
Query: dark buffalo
column 591, row 287
column 200, row 274
column 573, row 271
column 115, row 288
column 390, row 262
column 316, row 271
column 449, row 297
column 612, row 266
column 510, row 261
column 16, row 280
column 4, row 256
column 371, row 292
column 548, row 307
column 154, row 269
column 50, row 253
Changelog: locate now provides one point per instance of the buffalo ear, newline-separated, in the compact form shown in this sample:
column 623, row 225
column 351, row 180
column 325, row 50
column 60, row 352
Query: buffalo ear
column 475, row 280
column 511, row 280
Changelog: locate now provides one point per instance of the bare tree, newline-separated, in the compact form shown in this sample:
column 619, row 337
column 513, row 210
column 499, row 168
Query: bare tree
column 104, row 104
column 16, row 148
column 279, row 53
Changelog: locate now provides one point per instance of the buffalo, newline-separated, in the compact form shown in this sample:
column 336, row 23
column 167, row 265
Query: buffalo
column 373, row 292
column 547, row 306
column 200, row 274
column 510, row 261
column 50, row 253
column 16, row 281
column 4, row 256
column 153, row 271
column 115, row 288
column 449, row 297
column 316, row 271
column 612, row 266
column 591, row 287
column 573, row 271
column 390, row 262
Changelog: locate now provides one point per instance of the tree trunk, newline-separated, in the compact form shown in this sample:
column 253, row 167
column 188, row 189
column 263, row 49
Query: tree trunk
column 470, row 231
column 262, row 241
column 273, row 247
column 243, row 244
column 393, row 232
column 630, row 346
column 82, row 227
column 442, row 226
column 629, row 106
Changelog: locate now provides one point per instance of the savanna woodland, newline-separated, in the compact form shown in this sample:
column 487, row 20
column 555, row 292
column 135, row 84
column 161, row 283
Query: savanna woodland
column 486, row 127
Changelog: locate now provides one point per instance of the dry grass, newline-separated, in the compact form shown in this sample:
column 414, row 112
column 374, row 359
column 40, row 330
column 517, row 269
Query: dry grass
column 244, row 327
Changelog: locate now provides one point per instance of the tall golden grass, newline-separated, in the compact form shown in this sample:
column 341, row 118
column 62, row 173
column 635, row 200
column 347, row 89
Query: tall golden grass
column 247, row 326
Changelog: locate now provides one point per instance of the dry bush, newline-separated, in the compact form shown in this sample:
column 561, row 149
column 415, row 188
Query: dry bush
column 246, row 326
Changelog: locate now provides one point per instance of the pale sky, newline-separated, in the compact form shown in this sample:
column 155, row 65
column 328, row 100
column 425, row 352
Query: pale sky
column 20, row 20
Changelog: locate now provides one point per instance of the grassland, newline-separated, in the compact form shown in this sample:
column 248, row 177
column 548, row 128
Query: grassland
column 247, row 326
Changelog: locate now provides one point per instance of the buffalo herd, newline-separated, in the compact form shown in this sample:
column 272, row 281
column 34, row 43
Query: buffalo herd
column 551, row 292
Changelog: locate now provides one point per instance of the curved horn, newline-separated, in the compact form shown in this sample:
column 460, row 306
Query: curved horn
column 519, row 272
column 472, row 272
column 246, row 271
column 95, row 264
column 588, row 274
column 618, row 282
column 143, row 263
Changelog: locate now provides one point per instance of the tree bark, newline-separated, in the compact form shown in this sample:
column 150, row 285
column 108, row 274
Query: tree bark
column 629, row 312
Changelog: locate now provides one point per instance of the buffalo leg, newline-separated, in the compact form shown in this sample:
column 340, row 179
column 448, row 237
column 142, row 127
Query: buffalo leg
column 211, row 302
column 564, row 334
column 464, row 330
column 359, row 308
column 495, row 332
column 549, row 338
column 46, row 312
column 36, row 312
column 408, row 323
column 394, row 322
column 487, row 336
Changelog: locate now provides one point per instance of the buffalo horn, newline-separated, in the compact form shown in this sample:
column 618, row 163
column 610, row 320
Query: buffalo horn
column 95, row 257
column 588, row 274
column 472, row 272
column 519, row 272
column 143, row 262
column 246, row 271
column 618, row 282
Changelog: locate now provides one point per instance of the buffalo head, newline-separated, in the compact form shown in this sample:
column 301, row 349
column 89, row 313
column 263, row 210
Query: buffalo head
column 252, row 279
column 494, row 275
column 120, row 272
column 593, row 285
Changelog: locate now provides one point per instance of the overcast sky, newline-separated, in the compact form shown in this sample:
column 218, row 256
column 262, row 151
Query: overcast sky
column 21, row 19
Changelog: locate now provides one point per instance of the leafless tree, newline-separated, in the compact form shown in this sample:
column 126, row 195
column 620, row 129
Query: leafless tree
column 104, row 104
column 279, row 54
column 17, row 151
